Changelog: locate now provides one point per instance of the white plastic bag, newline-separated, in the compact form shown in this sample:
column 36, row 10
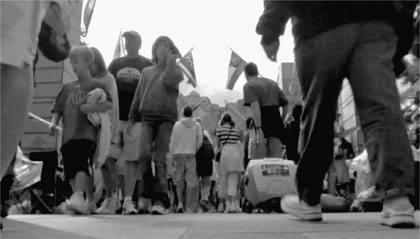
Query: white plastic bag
column 27, row 172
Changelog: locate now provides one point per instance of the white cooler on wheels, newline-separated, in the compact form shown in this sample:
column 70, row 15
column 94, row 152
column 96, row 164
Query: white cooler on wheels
column 267, row 180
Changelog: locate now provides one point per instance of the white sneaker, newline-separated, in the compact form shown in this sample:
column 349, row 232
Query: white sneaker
column 228, row 208
column 158, row 209
column 90, row 207
column 109, row 205
column 143, row 205
column 220, row 208
column 291, row 204
column 398, row 213
column 236, row 207
column 76, row 204
column 128, row 207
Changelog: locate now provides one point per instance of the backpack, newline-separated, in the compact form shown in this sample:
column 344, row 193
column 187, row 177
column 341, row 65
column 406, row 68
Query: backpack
column 204, row 157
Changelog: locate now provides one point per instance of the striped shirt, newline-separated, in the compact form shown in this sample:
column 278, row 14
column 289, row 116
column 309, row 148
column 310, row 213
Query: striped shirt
column 227, row 134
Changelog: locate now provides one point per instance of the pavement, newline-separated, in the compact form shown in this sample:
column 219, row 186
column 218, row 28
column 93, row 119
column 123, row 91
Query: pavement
column 202, row 226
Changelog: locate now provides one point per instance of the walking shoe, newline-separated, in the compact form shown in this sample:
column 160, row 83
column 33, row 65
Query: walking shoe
column 236, row 207
column 143, row 205
column 189, row 211
column 76, row 204
column 204, row 205
column 90, row 207
column 398, row 213
column 128, row 207
column 158, row 209
column 228, row 208
column 109, row 205
column 220, row 208
column 291, row 204
column 180, row 208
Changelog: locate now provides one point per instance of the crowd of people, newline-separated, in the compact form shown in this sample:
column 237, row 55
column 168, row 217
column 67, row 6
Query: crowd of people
column 122, row 121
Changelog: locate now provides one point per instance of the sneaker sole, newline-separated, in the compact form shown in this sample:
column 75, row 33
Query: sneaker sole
column 400, row 221
column 129, row 213
column 158, row 213
column 310, row 217
column 75, row 209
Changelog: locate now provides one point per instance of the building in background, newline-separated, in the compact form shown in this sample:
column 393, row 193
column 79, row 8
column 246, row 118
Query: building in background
column 49, row 78
column 289, row 83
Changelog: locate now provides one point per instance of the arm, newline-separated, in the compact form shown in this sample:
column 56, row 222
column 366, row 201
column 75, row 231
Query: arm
column 283, row 103
column 273, row 20
column 102, row 107
column 251, row 104
column 135, row 105
column 172, row 74
column 199, row 137
column 54, row 122
column 256, row 113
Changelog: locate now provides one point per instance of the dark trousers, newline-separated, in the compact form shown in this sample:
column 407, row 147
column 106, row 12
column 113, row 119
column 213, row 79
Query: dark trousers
column 154, row 140
column 363, row 53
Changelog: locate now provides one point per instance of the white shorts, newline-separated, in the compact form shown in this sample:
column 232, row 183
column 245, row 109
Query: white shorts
column 127, row 147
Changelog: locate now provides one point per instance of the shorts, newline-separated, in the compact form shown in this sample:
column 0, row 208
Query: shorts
column 78, row 157
column 127, row 147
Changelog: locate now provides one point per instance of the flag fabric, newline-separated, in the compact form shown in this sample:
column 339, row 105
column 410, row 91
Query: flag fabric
column 87, row 15
column 236, row 67
column 119, row 48
column 187, row 66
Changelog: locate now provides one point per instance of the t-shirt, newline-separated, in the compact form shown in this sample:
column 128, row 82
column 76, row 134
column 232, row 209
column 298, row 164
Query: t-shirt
column 76, row 125
column 156, row 95
column 227, row 134
column 127, row 72
column 270, row 97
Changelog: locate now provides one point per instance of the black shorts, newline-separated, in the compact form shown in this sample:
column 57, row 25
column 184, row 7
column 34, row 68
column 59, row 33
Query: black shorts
column 77, row 157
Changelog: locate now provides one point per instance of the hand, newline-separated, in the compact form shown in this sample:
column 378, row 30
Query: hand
column 53, row 129
column 86, row 108
column 272, row 49
column 171, row 59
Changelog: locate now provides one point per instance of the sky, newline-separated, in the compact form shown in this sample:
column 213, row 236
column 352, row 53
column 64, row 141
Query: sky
column 212, row 27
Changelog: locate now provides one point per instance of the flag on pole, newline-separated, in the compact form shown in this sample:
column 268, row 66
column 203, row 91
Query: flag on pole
column 87, row 15
column 236, row 67
column 187, row 66
column 119, row 48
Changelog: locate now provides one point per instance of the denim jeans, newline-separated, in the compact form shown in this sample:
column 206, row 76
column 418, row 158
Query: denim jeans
column 363, row 53
column 154, row 140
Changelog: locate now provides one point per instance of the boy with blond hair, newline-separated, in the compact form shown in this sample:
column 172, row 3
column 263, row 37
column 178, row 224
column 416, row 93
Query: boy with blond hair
column 79, row 134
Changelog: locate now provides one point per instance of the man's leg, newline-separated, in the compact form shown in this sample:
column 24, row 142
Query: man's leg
column 109, row 173
column 145, row 159
column 163, row 134
column 377, row 100
column 205, row 186
column 179, row 181
column 274, row 147
column 191, row 179
column 130, row 153
column 321, row 63
column 16, row 94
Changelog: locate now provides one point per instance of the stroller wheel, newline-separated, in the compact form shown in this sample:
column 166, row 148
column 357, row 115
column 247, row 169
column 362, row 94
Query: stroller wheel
column 248, row 207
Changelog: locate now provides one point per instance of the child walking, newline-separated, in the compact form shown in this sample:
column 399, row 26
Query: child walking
column 79, row 134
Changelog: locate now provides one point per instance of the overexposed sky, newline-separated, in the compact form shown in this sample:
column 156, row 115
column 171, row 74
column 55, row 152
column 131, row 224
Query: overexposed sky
column 211, row 26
